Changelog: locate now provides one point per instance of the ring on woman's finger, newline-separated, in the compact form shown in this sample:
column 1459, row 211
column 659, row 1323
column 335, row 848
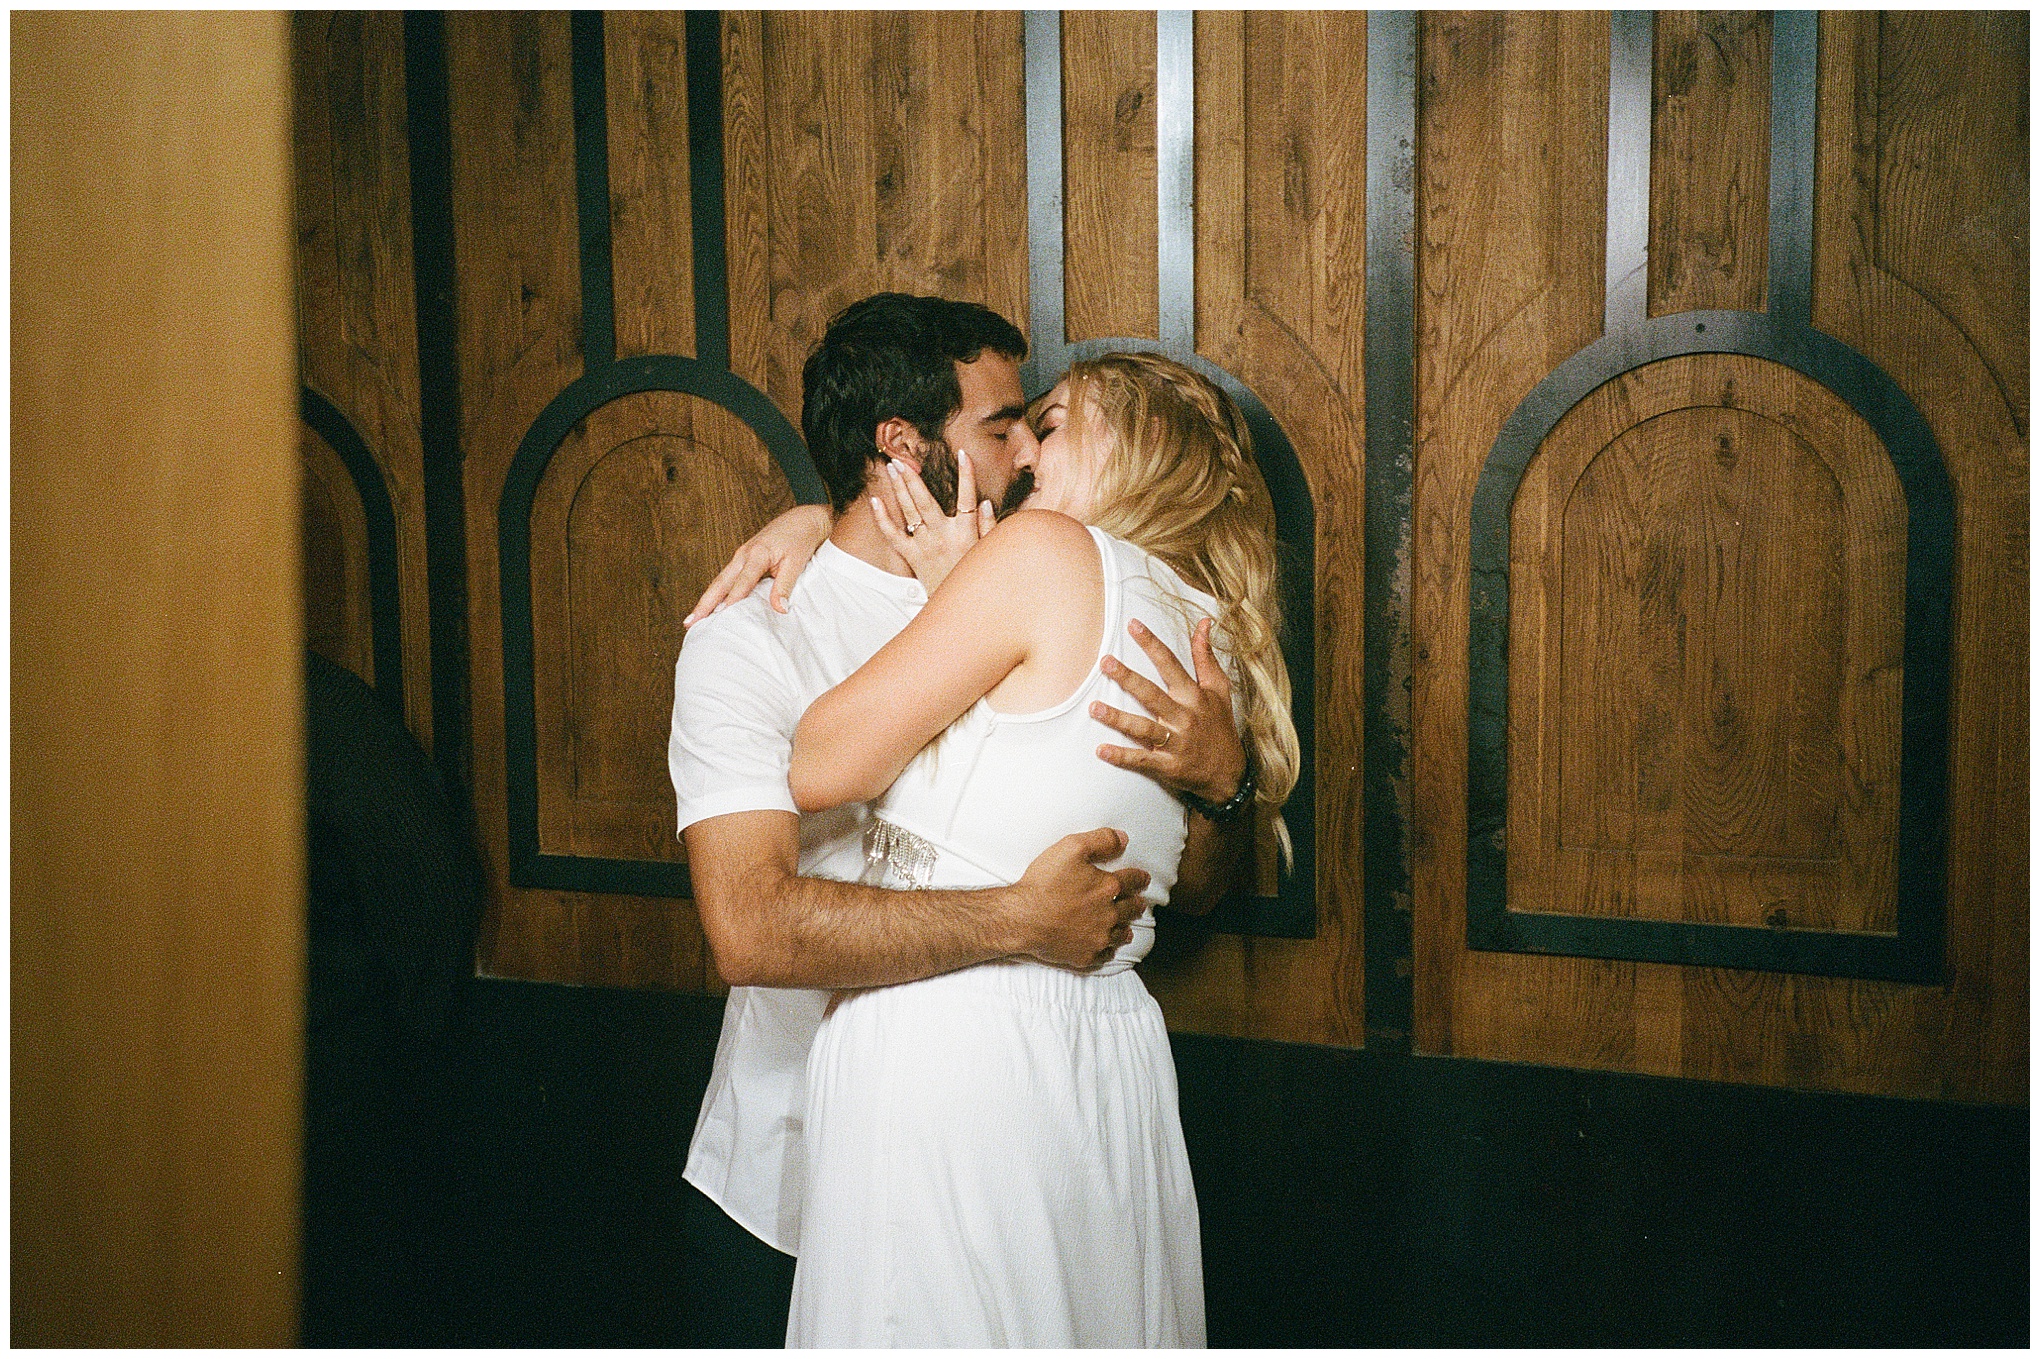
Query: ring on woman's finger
column 913, row 527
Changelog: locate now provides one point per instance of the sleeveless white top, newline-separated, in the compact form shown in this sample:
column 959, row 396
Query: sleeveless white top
column 991, row 793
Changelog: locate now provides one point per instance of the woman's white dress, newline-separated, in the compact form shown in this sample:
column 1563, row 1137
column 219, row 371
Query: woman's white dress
column 995, row 1156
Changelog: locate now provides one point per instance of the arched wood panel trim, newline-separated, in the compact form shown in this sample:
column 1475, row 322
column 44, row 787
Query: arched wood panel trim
column 607, row 379
column 1782, row 335
column 386, row 643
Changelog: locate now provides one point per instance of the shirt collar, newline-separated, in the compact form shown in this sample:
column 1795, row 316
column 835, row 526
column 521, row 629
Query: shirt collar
column 838, row 562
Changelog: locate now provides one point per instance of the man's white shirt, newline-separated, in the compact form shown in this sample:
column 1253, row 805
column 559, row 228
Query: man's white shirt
column 744, row 677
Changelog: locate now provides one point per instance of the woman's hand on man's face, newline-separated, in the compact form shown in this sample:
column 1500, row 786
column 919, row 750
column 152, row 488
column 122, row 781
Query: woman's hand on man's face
column 930, row 541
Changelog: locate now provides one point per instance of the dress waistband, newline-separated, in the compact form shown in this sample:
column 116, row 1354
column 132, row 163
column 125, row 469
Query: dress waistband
column 1025, row 984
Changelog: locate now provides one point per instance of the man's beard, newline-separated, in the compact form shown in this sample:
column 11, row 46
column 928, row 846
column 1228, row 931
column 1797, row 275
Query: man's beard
column 938, row 473
column 1017, row 491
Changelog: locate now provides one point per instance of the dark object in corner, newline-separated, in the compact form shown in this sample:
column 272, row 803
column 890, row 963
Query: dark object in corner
column 394, row 901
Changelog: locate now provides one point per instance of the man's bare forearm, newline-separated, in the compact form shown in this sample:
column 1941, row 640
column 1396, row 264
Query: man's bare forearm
column 818, row 933
column 768, row 926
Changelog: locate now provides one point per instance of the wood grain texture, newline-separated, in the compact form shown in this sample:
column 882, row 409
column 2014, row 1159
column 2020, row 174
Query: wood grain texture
column 1109, row 208
column 1886, row 150
column 517, row 254
column 1706, row 634
column 651, row 197
column 157, row 855
column 643, row 503
column 1954, row 206
column 1512, row 165
column 867, row 152
column 334, row 567
column 1710, row 162
column 1278, row 266
column 357, row 308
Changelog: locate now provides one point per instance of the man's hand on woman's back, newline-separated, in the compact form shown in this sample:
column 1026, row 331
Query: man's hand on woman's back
column 1072, row 913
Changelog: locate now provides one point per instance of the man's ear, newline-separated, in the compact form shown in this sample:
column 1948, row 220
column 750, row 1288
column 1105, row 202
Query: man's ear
column 900, row 441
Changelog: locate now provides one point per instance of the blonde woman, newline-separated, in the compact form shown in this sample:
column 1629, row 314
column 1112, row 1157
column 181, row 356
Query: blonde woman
column 994, row 1156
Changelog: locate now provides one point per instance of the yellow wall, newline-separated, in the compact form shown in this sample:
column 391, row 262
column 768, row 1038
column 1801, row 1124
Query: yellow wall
column 158, row 855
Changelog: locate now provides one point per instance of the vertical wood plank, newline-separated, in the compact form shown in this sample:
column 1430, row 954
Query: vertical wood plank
column 1277, row 272
column 157, row 923
column 518, row 334
column 747, row 209
column 1710, row 162
column 1513, row 163
column 650, row 194
column 1109, row 173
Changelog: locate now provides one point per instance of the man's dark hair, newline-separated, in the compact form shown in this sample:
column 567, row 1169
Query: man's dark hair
column 890, row 355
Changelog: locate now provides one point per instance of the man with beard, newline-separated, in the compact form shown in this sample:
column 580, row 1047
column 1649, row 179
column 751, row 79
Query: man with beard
column 934, row 386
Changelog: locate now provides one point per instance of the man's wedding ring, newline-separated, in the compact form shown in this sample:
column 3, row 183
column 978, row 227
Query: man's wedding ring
column 1167, row 733
column 913, row 527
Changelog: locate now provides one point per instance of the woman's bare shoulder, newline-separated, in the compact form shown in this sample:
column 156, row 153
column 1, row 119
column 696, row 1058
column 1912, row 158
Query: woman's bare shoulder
column 1044, row 533
column 1032, row 552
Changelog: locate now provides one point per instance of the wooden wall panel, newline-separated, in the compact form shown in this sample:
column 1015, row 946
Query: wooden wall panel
column 1494, row 317
column 1706, row 612
column 1109, row 208
column 1281, row 162
column 157, row 858
column 638, row 510
column 517, row 258
column 357, row 307
column 867, row 152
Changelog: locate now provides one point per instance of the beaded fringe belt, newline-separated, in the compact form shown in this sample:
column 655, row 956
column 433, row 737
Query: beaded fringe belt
column 897, row 858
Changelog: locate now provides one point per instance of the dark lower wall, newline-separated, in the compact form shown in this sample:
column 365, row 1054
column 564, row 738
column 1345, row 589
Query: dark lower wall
column 524, row 1191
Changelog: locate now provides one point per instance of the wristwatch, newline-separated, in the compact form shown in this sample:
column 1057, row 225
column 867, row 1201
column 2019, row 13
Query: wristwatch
column 1226, row 812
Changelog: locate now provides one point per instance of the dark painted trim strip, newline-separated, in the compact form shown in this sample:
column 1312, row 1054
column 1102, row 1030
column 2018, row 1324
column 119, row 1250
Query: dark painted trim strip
column 430, row 134
column 1391, row 378
column 591, row 182
column 1175, row 180
column 1630, row 35
column 1047, row 332
column 385, row 612
column 705, row 186
column 1795, row 39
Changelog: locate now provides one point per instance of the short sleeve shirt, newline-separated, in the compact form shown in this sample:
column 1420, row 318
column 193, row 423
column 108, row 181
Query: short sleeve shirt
column 744, row 677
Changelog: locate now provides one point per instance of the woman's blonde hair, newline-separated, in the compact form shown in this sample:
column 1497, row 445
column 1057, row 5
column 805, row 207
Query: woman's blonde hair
column 1180, row 481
